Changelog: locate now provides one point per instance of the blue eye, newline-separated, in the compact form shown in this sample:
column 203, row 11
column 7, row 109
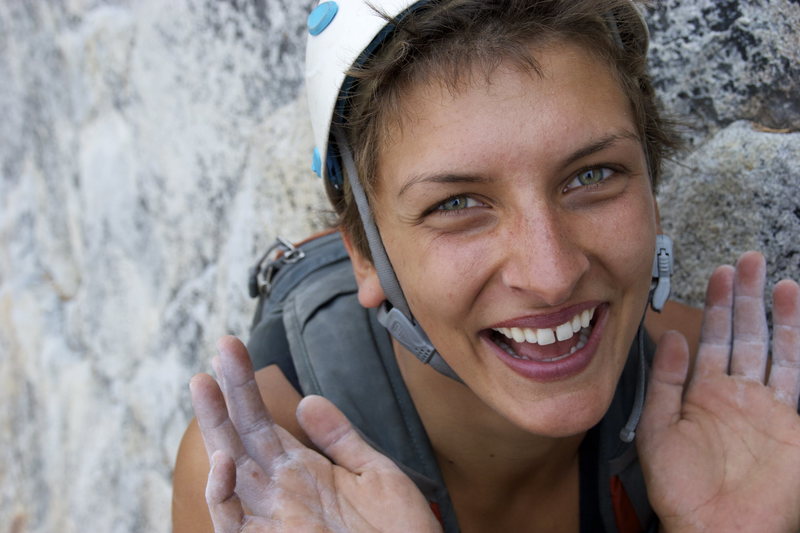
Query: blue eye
column 590, row 176
column 457, row 203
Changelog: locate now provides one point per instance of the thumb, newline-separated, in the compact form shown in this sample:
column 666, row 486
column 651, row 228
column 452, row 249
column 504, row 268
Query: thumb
column 662, row 407
column 336, row 437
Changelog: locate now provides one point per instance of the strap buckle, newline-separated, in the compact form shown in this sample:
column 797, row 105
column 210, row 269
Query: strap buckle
column 280, row 253
column 662, row 271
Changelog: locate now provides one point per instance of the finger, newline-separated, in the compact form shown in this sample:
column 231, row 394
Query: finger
column 664, row 400
column 750, row 332
column 212, row 417
column 714, row 351
column 784, row 376
column 336, row 437
column 223, row 504
column 219, row 434
column 250, row 417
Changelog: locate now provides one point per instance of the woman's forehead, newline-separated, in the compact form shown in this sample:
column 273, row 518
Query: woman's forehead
column 416, row 93
column 572, row 93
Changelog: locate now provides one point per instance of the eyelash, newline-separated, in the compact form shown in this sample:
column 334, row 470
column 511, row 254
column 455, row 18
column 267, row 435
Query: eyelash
column 439, row 210
column 439, row 207
column 604, row 177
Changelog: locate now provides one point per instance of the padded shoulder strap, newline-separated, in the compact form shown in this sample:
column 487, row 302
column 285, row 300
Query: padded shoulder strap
column 340, row 351
column 268, row 343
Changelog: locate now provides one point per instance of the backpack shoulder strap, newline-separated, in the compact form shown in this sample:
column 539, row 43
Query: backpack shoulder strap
column 282, row 269
column 339, row 350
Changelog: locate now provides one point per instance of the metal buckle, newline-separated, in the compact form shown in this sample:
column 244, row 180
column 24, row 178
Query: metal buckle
column 281, row 252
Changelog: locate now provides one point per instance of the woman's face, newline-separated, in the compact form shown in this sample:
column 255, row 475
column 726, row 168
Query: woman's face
column 512, row 209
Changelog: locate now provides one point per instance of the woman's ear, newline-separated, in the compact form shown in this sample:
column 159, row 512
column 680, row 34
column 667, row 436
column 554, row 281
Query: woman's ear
column 370, row 292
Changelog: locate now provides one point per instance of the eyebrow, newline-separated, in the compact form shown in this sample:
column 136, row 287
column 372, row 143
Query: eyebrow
column 585, row 151
column 441, row 178
column 599, row 146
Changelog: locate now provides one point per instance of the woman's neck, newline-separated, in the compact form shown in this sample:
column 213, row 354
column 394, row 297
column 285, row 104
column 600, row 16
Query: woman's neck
column 487, row 462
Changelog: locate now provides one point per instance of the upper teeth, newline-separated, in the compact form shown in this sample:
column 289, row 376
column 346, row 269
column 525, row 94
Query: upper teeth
column 545, row 336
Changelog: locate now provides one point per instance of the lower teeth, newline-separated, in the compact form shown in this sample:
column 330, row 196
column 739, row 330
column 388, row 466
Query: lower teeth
column 583, row 337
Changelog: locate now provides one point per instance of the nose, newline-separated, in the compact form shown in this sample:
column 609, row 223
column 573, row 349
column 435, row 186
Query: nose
column 544, row 257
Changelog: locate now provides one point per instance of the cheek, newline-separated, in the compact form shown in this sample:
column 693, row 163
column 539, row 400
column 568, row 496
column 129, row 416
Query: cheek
column 628, row 231
column 445, row 275
column 440, row 277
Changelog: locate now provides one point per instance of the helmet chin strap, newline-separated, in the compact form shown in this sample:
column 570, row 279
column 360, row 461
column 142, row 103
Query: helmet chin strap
column 394, row 314
column 659, row 294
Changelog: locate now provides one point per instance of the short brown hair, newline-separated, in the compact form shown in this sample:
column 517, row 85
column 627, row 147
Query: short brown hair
column 443, row 39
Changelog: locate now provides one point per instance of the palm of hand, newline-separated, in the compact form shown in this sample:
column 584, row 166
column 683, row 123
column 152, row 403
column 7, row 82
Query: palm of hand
column 309, row 493
column 263, row 480
column 720, row 452
column 724, row 454
column 735, row 425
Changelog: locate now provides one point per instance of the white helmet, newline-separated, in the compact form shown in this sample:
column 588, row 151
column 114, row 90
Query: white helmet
column 339, row 32
column 342, row 32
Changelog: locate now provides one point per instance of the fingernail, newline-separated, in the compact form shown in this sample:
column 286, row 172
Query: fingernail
column 215, row 365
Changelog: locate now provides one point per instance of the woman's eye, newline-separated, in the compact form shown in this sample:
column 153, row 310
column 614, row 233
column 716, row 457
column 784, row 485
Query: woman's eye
column 457, row 203
column 590, row 176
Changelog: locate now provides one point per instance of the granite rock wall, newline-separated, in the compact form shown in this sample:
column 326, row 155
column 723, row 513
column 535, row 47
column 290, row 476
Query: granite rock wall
column 149, row 150
column 729, row 71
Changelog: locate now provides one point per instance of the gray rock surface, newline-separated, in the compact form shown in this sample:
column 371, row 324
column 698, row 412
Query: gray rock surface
column 149, row 150
column 719, row 61
column 729, row 71
column 735, row 192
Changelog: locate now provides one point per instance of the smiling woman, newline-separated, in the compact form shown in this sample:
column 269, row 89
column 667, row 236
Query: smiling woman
column 533, row 249
column 493, row 164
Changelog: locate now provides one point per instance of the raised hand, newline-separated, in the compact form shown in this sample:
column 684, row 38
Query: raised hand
column 721, row 450
column 262, row 479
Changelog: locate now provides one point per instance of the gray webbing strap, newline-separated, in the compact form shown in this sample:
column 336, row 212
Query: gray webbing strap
column 386, row 275
column 659, row 294
column 397, row 318
column 628, row 433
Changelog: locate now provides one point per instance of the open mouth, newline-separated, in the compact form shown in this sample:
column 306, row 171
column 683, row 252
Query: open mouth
column 546, row 345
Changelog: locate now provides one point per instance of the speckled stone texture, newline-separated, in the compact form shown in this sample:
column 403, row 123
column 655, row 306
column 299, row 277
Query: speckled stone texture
column 735, row 192
column 150, row 150
column 719, row 61
column 729, row 70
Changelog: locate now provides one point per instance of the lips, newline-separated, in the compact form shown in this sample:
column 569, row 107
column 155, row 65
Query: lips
column 547, row 353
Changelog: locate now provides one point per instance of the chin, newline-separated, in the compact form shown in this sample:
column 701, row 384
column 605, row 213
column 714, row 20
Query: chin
column 565, row 415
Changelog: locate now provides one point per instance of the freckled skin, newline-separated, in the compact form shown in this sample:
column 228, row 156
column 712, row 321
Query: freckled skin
column 523, row 237
column 529, row 248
